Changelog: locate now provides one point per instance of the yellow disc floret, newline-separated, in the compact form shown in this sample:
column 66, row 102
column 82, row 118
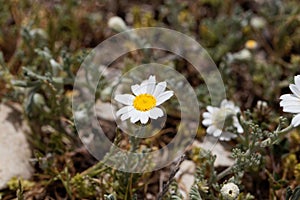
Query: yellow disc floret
column 251, row 44
column 144, row 102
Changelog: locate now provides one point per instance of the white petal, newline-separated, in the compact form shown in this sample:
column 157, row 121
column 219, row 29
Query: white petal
column 227, row 104
column 296, row 120
column 217, row 133
column 211, row 129
column 155, row 113
column 207, row 115
column 288, row 97
column 237, row 109
column 297, row 80
column 123, row 110
column 207, row 122
column 126, row 99
column 223, row 138
column 149, row 80
column 290, row 103
column 295, row 90
column 149, row 85
column 143, row 89
column 127, row 115
column 230, row 105
column 237, row 125
column 223, row 103
column 135, row 116
column 212, row 109
column 160, row 88
column 291, row 109
column 152, row 79
column 226, row 136
column 164, row 97
column 136, row 89
column 144, row 117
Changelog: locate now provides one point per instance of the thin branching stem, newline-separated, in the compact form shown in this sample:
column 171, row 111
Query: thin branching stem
column 228, row 170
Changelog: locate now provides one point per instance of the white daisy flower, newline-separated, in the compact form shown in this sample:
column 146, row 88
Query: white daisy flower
column 143, row 104
column 230, row 191
column 258, row 22
column 218, row 118
column 291, row 102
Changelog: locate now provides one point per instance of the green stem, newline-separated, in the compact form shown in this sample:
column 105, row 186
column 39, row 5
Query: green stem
column 134, row 141
column 228, row 170
column 128, row 194
column 94, row 170
column 284, row 131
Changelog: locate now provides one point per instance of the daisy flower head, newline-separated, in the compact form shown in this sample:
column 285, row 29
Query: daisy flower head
column 291, row 102
column 218, row 118
column 142, row 104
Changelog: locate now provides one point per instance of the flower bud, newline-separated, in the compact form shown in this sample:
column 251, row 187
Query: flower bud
column 38, row 99
column 244, row 54
column 54, row 64
column 117, row 24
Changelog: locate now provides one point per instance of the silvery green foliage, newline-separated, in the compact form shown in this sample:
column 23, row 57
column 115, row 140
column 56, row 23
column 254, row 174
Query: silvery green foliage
column 194, row 193
column 109, row 197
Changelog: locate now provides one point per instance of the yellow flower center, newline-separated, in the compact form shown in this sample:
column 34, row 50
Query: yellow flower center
column 144, row 102
column 251, row 44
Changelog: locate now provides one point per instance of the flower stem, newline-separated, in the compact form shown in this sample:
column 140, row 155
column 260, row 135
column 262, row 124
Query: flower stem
column 286, row 130
column 228, row 170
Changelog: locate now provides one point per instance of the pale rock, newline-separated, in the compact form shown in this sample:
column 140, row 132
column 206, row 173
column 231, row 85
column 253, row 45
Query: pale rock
column 14, row 149
column 105, row 110
column 185, row 184
column 186, row 166
column 185, row 177
column 212, row 144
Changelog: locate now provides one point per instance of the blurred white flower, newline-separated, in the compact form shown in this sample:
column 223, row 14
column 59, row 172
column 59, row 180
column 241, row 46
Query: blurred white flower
column 218, row 118
column 258, row 22
column 244, row 54
column 291, row 102
column 38, row 32
column 230, row 191
column 143, row 104
column 117, row 23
